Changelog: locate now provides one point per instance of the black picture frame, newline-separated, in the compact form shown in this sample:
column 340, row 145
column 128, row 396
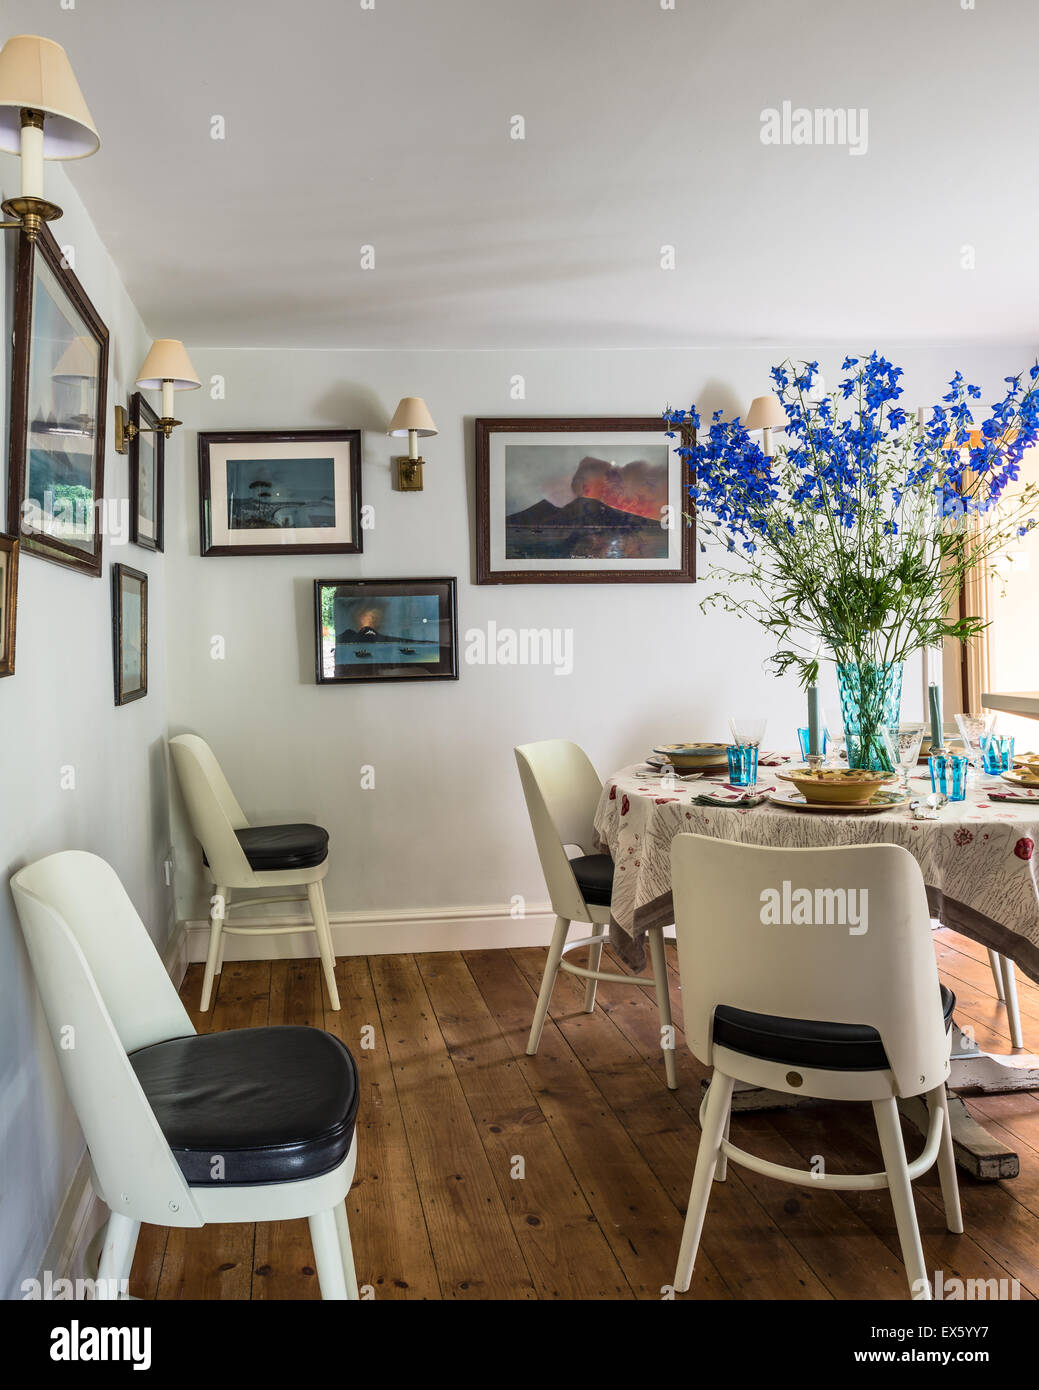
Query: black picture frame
column 147, row 452
column 60, row 421
column 362, row 643
column 492, row 531
column 282, row 447
column 123, row 578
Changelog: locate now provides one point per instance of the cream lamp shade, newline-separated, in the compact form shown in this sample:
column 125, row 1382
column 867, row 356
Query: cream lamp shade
column 77, row 363
column 167, row 368
column 412, row 416
column 35, row 75
column 765, row 413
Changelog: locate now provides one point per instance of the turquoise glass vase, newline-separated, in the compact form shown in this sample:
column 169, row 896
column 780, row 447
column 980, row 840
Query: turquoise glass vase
column 871, row 701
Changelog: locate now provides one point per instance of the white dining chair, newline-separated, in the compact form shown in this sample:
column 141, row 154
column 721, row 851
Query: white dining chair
column 562, row 790
column 838, row 999
column 1005, row 980
column 183, row 1129
column 237, row 855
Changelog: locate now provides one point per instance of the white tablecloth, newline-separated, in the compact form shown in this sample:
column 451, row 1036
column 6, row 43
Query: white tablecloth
column 978, row 859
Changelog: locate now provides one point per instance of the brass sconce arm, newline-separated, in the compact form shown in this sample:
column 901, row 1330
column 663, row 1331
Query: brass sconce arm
column 126, row 431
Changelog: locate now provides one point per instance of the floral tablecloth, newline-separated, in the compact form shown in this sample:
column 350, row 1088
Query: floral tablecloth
column 978, row 859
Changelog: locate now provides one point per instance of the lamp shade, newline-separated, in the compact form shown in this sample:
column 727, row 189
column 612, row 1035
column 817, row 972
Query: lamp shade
column 36, row 73
column 412, row 414
column 167, row 361
column 765, row 413
column 77, row 363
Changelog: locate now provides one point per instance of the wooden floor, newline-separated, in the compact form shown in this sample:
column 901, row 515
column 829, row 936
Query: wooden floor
column 486, row 1174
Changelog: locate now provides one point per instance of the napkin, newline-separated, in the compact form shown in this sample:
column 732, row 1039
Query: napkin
column 1023, row 795
column 774, row 759
column 738, row 799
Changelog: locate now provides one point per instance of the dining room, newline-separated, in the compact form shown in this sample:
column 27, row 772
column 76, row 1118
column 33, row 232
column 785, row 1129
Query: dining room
column 542, row 805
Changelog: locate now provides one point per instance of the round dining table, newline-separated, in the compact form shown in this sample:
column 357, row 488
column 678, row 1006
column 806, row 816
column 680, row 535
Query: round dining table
column 978, row 858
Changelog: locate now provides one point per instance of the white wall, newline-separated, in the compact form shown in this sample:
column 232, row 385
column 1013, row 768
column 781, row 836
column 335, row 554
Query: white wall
column 58, row 710
column 445, row 824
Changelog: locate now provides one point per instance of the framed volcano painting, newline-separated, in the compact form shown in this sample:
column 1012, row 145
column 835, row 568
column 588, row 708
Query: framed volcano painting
column 582, row 501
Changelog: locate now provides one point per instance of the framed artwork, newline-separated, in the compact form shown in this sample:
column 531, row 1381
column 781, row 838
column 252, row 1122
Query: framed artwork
column 582, row 501
column 385, row 630
column 130, row 633
column 147, row 476
column 262, row 492
column 8, row 601
column 59, row 385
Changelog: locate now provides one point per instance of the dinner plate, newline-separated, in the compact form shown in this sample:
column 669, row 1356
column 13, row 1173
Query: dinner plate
column 882, row 801
column 657, row 761
column 1016, row 780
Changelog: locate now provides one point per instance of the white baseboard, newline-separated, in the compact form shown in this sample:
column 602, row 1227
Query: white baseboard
column 385, row 933
column 81, row 1216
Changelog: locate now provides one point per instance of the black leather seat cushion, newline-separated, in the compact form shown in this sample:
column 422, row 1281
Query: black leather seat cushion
column 806, row 1043
column 276, row 1104
column 271, row 847
column 594, row 874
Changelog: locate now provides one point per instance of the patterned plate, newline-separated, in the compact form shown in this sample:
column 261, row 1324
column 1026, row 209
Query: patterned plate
column 881, row 801
column 1017, row 779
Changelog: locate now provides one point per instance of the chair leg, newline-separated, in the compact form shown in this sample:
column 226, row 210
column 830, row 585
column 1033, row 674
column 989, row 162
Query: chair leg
column 995, row 961
column 323, row 932
column 722, row 1169
column 117, row 1254
column 324, row 1236
column 667, row 1032
column 889, row 1131
column 346, row 1251
column 719, row 1098
column 548, row 979
column 217, row 912
column 594, row 959
column 1010, row 994
column 939, row 1098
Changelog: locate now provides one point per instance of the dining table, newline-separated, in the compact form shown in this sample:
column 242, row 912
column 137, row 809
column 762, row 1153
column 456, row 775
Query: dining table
column 979, row 863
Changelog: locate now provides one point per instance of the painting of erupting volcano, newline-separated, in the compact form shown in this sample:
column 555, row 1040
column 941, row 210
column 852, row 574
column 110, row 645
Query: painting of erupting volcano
column 580, row 501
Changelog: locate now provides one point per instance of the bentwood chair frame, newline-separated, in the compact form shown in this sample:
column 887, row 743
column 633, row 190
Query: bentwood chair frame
column 562, row 790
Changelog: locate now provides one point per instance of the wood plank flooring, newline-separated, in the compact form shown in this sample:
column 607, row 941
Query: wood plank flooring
column 483, row 1173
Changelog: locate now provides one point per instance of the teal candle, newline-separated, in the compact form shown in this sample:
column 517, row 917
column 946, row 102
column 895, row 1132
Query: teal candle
column 814, row 745
column 936, row 715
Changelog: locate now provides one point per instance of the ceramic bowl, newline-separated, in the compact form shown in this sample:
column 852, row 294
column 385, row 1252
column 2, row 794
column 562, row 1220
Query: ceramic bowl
column 840, row 785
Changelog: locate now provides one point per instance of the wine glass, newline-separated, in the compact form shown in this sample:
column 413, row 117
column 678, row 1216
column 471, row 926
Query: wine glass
column 972, row 728
column 748, row 733
column 906, row 741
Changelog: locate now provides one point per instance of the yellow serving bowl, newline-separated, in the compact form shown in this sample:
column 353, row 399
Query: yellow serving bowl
column 847, row 786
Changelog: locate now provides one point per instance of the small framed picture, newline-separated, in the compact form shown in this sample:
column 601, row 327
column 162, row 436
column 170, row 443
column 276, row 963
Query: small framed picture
column 147, row 474
column 263, row 492
column 582, row 501
column 385, row 630
column 130, row 633
column 8, row 601
column 59, row 380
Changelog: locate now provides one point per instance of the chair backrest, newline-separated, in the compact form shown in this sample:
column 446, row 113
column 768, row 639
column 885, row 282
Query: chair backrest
column 839, row 935
column 105, row 993
column 562, row 790
column 213, row 810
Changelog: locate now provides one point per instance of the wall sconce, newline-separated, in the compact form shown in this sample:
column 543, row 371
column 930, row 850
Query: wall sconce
column 765, row 414
column 42, row 116
column 167, row 368
column 412, row 418
column 77, row 366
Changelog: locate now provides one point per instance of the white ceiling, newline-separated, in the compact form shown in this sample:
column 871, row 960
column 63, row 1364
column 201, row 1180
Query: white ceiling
column 390, row 127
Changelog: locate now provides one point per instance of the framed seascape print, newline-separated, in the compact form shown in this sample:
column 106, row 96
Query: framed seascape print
column 385, row 630
column 58, row 391
column 266, row 493
column 581, row 501
column 147, row 474
column 130, row 633
column 8, row 601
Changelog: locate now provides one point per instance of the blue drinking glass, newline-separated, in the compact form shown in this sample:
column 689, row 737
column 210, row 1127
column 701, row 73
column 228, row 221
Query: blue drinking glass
column 949, row 775
column 802, row 738
column 743, row 764
column 997, row 752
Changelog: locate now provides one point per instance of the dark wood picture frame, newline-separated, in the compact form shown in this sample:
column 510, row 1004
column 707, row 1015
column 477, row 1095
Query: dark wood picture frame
column 119, row 573
column 352, row 439
column 8, row 603
column 34, row 542
column 684, row 573
column 144, row 420
column 443, row 588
